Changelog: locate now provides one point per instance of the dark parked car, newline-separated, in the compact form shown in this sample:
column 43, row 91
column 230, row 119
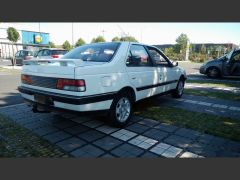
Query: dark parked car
column 22, row 55
column 50, row 53
column 227, row 65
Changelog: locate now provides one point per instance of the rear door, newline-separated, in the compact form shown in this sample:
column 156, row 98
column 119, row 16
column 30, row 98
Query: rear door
column 141, row 72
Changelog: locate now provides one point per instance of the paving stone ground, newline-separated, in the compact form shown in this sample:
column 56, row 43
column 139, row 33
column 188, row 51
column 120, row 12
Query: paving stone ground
column 203, row 104
column 212, row 88
column 82, row 136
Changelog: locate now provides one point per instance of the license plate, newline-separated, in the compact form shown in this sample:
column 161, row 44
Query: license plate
column 41, row 99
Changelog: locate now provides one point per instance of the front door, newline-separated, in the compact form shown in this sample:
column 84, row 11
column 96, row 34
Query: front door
column 168, row 75
column 234, row 64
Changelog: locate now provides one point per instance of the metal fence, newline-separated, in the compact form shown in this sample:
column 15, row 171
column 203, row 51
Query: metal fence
column 8, row 50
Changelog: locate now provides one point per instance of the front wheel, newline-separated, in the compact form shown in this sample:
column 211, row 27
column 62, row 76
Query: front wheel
column 178, row 92
column 121, row 110
column 213, row 72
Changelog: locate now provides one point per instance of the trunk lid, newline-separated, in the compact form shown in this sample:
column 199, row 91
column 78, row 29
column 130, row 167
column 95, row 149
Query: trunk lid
column 51, row 68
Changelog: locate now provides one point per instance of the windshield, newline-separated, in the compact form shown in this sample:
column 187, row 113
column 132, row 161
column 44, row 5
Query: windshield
column 99, row 52
column 229, row 54
column 28, row 53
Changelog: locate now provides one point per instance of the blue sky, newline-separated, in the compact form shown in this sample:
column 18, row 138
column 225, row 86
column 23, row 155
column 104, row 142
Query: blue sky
column 149, row 33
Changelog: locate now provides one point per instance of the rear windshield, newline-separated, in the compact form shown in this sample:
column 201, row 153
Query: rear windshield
column 59, row 52
column 99, row 52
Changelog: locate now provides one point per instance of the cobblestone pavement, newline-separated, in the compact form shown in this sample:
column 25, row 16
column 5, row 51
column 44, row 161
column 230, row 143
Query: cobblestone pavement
column 17, row 141
column 203, row 104
column 92, row 137
column 212, row 88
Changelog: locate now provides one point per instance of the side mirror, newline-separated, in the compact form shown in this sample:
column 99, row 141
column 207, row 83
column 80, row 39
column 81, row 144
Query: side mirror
column 175, row 63
column 134, row 61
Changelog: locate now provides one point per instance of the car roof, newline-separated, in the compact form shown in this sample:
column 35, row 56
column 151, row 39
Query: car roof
column 25, row 50
column 53, row 49
column 125, row 42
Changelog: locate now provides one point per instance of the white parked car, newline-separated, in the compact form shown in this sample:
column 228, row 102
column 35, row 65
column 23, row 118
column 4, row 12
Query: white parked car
column 50, row 53
column 101, row 76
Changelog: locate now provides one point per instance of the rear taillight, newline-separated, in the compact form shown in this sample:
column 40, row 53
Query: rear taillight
column 26, row 79
column 71, row 84
column 55, row 56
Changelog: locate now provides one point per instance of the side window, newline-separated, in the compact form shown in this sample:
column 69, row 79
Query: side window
column 157, row 57
column 21, row 53
column 46, row 53
column 236, row 57
column 138, row 56
column 17, row 54
column 40, row 53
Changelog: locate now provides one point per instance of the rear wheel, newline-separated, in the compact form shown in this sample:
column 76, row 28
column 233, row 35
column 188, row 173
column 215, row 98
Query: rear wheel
column 213, row 72
column 121, row 109
column 178, row 92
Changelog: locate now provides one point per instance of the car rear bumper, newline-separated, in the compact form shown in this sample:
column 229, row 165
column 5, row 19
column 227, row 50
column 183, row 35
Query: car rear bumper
column 69, row 102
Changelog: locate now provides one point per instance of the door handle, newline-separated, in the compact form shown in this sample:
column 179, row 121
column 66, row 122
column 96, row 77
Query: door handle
column 133, row 77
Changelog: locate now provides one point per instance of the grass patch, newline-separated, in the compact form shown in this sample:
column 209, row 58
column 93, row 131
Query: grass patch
column 213, row 94
column 215, row 83
column 205, row 123
column 16, row 141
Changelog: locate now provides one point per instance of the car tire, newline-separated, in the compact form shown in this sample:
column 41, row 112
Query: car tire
column 178, row 92
column 122, row 104
column 213, row 72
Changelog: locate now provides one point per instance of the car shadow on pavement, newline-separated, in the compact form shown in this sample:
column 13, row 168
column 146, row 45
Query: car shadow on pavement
column 7, row 99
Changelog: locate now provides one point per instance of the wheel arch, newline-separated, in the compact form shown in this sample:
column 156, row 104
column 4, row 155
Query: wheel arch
column 130, row 90
column 216, row 67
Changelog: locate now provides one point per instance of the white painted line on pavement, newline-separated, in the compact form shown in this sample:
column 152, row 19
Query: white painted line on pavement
column 234, row 108
column 221, row 106
column 14, row 105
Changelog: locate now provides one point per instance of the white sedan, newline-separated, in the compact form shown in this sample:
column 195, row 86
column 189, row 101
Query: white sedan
column 101, row 76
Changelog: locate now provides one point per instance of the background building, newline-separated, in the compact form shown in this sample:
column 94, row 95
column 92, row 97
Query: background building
column 28, row 40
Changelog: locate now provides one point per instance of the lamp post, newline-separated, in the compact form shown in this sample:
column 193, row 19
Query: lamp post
column 39, row 27
column 187, row 51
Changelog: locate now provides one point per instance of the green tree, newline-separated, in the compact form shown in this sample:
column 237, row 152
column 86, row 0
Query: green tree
column 66, row 45
column 13, row 36
column 181, row 45
column 98, row 39
column 80, row 42
column 129, row 38
column 52, row 45
column 115, row 39
column 203, row 49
